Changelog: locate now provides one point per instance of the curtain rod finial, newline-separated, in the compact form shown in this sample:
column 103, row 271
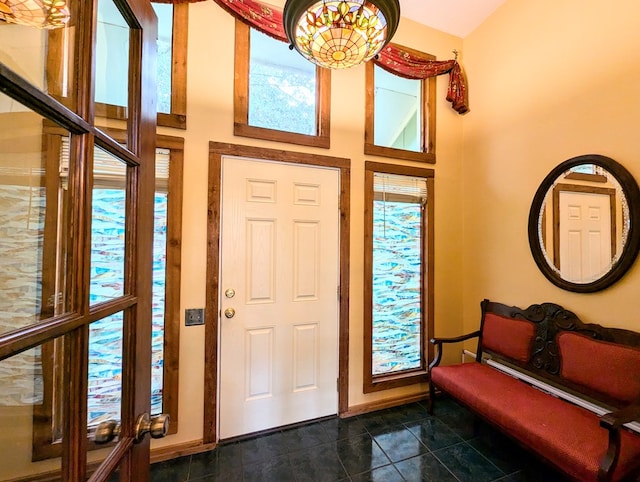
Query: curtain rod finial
column 455, row 54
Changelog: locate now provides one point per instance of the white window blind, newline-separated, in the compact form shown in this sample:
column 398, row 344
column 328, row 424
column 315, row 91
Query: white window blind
column 394, row 187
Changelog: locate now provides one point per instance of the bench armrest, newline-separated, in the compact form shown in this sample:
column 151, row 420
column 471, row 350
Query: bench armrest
column 438, row 342
column 613, row 421
column 617, row 419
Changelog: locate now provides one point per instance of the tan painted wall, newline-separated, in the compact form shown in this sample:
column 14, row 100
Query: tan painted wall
column 210, row 118
column 548, row 81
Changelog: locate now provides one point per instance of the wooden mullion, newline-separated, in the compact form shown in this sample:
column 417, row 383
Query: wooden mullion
column 74, row 441
column 36, row 100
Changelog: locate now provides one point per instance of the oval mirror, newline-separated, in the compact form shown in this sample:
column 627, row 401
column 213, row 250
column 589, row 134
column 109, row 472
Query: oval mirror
column 584, row 223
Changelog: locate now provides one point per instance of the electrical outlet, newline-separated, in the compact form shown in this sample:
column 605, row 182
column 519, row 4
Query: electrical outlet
column 194, row 316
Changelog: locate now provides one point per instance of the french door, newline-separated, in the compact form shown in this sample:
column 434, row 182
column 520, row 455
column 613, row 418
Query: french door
column 72, row 263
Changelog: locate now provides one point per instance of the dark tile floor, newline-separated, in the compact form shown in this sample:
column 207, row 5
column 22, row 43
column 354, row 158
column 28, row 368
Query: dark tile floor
column 396, row 444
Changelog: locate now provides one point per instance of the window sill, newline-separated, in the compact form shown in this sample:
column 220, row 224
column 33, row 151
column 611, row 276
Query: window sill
column 373, row 150
column 386, row 382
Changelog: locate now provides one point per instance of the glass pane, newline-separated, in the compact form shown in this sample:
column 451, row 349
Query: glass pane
column 33, row 222
column 164, row 11
column 397, row 111
column 107, row 227
column 282, row 87
column 397, row 242
column 41, row 56
column 23, row 51
column 112, row 56
column 21, row 396
column 105, row 369
column 159, row 278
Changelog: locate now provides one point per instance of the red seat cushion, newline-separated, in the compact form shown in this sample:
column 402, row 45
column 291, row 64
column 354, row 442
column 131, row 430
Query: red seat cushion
column 508, row 337
column 568, row 436
column 600, row 366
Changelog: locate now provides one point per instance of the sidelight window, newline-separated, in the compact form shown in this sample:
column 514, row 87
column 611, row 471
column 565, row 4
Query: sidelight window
column 398, row 290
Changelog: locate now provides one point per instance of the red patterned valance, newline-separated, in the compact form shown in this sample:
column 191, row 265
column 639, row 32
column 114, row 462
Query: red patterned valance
column 413, row 65
column 394, row 58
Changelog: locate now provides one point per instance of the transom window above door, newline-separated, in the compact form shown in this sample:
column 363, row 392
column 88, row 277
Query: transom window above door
column 278, row 95
column 400, row 115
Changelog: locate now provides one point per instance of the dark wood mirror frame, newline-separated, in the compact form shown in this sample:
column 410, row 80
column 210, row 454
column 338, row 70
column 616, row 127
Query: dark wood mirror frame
column 629, row 250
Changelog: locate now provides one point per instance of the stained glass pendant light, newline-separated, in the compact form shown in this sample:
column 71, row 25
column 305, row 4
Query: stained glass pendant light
column 35, row 13
column 338, row 34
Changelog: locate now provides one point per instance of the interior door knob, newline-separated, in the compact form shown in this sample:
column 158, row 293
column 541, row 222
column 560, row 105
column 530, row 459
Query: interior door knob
column 157, row 426
column 229, row 312
column 106, row 431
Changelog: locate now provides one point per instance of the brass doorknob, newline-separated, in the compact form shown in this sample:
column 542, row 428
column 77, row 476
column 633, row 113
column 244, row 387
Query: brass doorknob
column 106, row 431
column 229, row 312
column 157, row 426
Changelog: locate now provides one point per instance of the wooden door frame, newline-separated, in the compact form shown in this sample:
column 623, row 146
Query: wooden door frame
column 212, row 307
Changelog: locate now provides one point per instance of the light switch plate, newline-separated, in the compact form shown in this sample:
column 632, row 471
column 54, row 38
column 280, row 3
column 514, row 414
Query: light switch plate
column 194, row 316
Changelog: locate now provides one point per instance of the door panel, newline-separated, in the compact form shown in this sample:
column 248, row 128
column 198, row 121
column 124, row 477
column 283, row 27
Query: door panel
column 279, row 328
column 585, row 238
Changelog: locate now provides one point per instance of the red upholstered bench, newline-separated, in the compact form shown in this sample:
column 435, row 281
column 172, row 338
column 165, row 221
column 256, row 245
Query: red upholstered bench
column 567, row 390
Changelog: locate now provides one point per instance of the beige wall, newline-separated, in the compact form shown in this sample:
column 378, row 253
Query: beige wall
column 210, row 118
column 548, row 81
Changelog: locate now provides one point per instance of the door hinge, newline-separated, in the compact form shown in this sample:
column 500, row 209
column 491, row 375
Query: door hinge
column 337, row 384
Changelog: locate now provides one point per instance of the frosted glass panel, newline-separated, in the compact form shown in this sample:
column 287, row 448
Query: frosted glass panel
column 108, row 256
column 107, row 227
column 396, row 289
column 105, row 369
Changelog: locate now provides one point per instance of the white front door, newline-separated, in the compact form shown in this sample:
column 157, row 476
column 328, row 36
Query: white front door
column 279, row 287
column 585, row 237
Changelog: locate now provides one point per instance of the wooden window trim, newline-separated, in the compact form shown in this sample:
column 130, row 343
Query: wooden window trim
column 178, row 116
column 408, row 377
column 241, row 125
column 428, row 115
column 45, row 443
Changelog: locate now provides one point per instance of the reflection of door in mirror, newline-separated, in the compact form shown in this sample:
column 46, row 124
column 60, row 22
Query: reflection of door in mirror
column 583, row 223
column 584, row 231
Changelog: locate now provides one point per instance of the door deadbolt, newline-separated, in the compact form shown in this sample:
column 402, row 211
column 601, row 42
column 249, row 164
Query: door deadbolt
column 229, row 312
column 230, row 293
